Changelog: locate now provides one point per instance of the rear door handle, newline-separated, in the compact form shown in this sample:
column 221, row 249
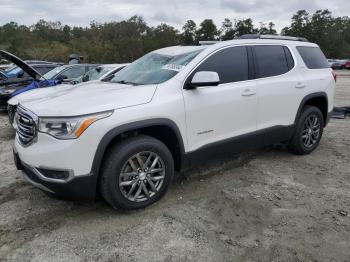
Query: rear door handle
column 300, row 85
column 248, row 92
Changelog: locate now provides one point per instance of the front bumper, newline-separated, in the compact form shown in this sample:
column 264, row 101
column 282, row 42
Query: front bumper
column 82, row 188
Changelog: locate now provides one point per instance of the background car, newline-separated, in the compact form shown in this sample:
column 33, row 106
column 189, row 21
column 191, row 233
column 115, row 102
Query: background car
column 337, row 63
column 20, row 75
column 347, row 65
column 102, row 72
column 17, row 72
column 68, row 73
column 54, row 77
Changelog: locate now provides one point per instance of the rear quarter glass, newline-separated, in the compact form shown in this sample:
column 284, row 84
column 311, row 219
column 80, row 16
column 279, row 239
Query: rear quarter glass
column 313, row 57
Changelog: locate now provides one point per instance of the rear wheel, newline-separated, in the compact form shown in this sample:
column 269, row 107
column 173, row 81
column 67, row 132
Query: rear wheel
column 136, row 173
column 308, row 132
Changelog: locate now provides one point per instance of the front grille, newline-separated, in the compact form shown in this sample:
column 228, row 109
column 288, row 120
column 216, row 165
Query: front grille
column 25, row 126
column 11, row 110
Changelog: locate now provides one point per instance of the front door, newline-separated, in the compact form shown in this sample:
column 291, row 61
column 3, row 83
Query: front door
column 218, row 113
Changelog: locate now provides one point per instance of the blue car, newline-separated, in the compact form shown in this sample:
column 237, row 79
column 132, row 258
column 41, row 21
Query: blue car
column 29, row 76
column 20, row 75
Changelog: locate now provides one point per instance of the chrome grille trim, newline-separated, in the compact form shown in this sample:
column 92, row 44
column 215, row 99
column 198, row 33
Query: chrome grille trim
column 26, row 126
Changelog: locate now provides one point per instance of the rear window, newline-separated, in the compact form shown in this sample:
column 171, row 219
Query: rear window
column 313, row 57
column 272, row 61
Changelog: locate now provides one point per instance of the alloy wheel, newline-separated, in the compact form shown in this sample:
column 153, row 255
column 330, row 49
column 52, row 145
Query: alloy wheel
column 142, row 176
column 311, row 131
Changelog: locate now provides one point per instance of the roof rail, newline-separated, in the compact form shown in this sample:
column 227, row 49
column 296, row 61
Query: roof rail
column 207, row 42
column 198, row 43
column 275, row 37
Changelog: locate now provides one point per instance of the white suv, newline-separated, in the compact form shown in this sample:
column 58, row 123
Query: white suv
column 172, row 108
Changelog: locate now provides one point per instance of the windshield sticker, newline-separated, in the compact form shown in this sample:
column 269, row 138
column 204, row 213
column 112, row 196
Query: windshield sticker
column 173, row 67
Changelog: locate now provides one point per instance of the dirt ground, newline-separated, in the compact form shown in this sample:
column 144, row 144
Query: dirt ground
column 263, row 206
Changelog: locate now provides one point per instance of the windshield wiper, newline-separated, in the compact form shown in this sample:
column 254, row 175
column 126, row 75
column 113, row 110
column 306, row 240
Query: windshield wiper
column 126, row 83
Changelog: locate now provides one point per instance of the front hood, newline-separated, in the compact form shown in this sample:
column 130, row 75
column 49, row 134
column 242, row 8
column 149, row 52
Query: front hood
column 38, row 94
column 21, row 64
column 88, row 98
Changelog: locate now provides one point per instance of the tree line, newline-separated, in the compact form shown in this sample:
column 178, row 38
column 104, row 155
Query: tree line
column 125, row 41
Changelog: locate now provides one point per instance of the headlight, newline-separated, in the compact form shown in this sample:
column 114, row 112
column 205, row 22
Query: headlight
column 69, row 127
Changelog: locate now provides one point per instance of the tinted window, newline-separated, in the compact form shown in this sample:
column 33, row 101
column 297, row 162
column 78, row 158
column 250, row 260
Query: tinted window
column 313, row 57
column 88, row 68
column 270, row 61
column 52, row 74
column 230, row 63
column 74, row 72
column 43, row 70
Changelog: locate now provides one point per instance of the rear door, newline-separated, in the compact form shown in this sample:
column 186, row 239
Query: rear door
column 280, row 86
column 317, row 73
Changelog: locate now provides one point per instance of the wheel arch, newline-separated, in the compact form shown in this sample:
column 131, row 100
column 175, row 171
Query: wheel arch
column 163, row 129
column 318, row 100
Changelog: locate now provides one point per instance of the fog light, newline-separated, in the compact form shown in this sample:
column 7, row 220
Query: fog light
column 54, row 174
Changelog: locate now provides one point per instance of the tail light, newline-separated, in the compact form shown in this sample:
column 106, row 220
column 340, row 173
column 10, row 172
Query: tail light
column 334, row 76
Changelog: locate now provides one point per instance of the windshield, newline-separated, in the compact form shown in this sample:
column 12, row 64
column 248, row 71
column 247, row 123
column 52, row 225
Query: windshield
column 51, row 74
column 96, row 73
column 154, row 68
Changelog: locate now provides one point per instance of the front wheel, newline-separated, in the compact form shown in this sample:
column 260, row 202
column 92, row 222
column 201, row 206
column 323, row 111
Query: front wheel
column 136, row 173
column 308, row 131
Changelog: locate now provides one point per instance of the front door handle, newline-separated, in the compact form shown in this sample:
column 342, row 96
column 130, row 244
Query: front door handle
column 300, row 85
column 248, row 92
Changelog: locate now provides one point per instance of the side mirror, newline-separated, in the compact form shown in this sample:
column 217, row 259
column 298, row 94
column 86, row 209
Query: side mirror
column 204, row 78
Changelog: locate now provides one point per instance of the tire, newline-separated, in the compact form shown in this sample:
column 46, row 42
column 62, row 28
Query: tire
column 120, row 173
column 305, row 141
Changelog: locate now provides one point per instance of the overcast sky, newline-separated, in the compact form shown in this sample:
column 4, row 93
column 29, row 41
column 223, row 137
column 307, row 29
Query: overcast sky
column 174, row 12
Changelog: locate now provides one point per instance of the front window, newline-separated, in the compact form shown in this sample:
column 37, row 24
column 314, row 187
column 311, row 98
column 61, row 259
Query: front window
column 73, row 72
column 51, row 74
column 96, row 73
column 154, row 68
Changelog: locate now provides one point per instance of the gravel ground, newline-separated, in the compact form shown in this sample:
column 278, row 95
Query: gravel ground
column 268, row 205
